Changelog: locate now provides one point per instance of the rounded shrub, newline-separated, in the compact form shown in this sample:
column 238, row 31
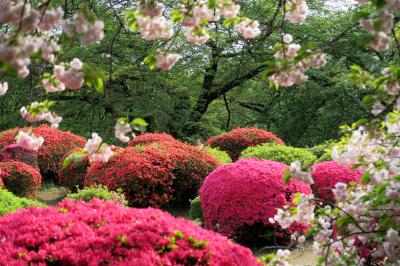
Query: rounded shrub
column 236, row 140
column 191, row 165
column 238, row 199
column 106, row 233
column 279, row 153
column 21, row 179
column 14, row 152
column 10, row 203
column 145, row 176
column 327, row 174
column 221, row 156
column 72, row 169
column 56, row 144
column 149, row 138
column 195, row 212
column 100, row 192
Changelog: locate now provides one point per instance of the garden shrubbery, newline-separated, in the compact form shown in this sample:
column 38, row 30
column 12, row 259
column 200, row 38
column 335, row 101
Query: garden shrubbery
column 238, row 199
column 106, row 233
column 56, row 144
column 145, row 176
column 21, row 179
column 10, row 203
column 279, row 153
column 191, row 165
column 72, row 169
column 327, row 174
column 14, row 152
column 195, row 212
column 100, row 192
column 221, row 156
column 149, row 138
column 236, row 140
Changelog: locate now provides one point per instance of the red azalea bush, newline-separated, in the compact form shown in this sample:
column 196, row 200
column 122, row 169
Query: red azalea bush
column 21, row 179
column 236, row 140
column 14, row 152
column 105, row 233
column 56, row 144
column 191, row 165
column 149, row 138
column 73, row 167
column 145, row 176
column 327, row 174
column 72, row 170
column 238, row 199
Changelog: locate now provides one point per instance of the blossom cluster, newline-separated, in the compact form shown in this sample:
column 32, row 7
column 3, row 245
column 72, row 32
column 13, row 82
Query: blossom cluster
column 248, row 192
column 297, row 11
column 88, row 30
column 104, row 232
column 96, row 150
column 380, row 24
column 290, row 66
column 37, row 112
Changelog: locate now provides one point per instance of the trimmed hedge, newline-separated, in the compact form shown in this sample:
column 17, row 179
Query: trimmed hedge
column 14, row 152
column 195, row 212
column 238, row 199
column 56, row 144
column 221, row 156
column 21, row 179
column 72, row 170
column 100, row 192
column 279, row 153
column 236, row 140
column 10, row 203
column 106, row 233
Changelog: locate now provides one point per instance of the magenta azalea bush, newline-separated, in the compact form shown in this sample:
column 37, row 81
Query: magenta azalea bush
column 327, row 174
column 106, row 233
column 236, row 196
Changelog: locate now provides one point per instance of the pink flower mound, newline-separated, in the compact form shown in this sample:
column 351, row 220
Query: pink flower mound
column 327, row 174
column 241, row 194
column 105, row 233
column 238, row 139
column 149, row 138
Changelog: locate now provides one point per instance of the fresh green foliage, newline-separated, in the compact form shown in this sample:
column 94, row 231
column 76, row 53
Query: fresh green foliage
column 280, row 153
column 195, row 212
column 10, row 203
column 221, row 156
column 101, row 192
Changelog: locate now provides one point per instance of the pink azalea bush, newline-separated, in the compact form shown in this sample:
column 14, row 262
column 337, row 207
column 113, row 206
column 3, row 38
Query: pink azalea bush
column 236, row 196
column 15, row 152
column 149, row 138
column 327, row 174
column 105, row 233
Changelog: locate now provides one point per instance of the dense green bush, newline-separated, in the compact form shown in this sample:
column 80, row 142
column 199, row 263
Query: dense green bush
column 99, row 191
column 221, row 156
column 10, row 203
column 195, row 212
column 280, row 153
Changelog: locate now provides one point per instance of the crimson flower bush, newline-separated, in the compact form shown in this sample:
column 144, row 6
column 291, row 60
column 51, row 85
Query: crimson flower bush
column 106, row 233
column 149, row 138
column 145, row 176
column 191, row 165
column 21, row 179
column 57, row 143
column 236, row 140
column 72, row 170
column 238, row 199
column 327, row 174
column 14, row 152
